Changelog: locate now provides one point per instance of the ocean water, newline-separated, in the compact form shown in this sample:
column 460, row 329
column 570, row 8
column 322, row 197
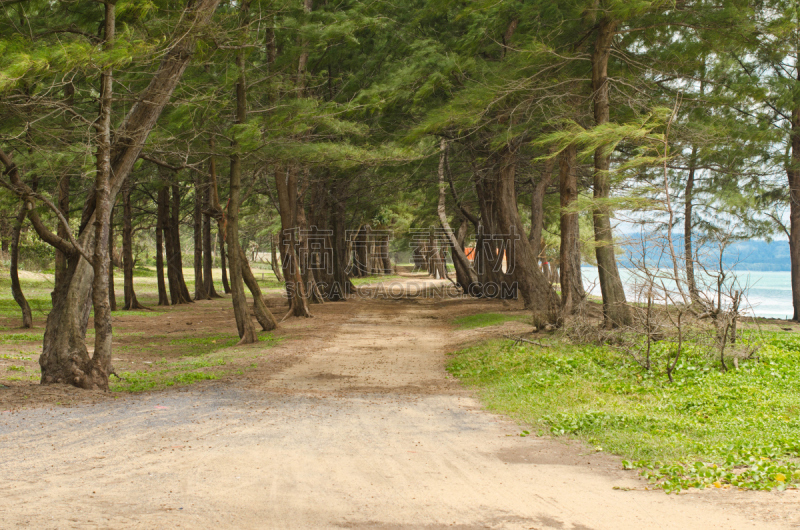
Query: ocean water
column 768, row 294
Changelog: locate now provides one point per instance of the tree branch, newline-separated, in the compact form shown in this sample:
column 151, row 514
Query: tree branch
column 19, row 188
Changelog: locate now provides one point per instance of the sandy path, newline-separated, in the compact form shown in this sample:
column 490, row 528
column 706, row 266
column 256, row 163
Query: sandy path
column 368, row 432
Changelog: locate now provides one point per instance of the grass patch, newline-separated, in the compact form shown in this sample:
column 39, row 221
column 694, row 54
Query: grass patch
column 488, row 319
column 9, row 308
column 13, row 368
column 205, row 358
column 21, row 337
column 141, row 381
column 708, row 429
column 376, row 278
column 123, row 312
column 270, row 283
column 15, row 357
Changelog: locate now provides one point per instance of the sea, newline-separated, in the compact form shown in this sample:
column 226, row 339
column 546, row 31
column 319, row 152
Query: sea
column 766, row 294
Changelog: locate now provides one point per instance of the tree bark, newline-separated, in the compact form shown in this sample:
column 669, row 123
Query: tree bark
column 160, row 220
column 131, row 303
column 16, row 289
column 342, row 287
column 286, row 187
column 309, row 282
column 63, row 205
column 223, row 258
column 177, row 254
column 197, row 225
column 65, row 358
column 384, row 254
column 99, row 369
column 572, row 293
column 536, row 291
column 362, row 268
column 112, row 295
column 275, row 263
column 465, row 277
column 793, row 174
column 537, row 207
column 688, row 228
column 236, row 256
column 208, row 257
column 615, row 308
column 260, row 309
column 488, row 261
column 169, row 242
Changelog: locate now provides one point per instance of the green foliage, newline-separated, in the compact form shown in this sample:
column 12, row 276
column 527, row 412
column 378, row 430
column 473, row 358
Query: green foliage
column 738, row 428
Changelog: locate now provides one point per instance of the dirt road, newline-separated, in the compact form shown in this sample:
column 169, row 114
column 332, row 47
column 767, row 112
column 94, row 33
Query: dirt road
column 366, row 432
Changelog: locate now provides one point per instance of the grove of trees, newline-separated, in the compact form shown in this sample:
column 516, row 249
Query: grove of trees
column 519, row 128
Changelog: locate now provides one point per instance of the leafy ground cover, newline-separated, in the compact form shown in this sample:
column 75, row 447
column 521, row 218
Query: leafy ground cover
column 709, row 428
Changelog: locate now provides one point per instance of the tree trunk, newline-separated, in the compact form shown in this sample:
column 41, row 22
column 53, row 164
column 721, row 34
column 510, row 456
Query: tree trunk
column 65, row 358
column 236, row 256
column 223, row 258
column 208, row 257
column 488, row 262
column 169, row 240
column 794, row 210
column 112, row 295
column 537, row 207
column 260, row 309
column 537, row 293
column 306, row 271
column 615, row 309
column 63, row 205
column 341, row 286
column 160, row 219
column 362, row 268
column 465, row 277
column 16, row 290
column 437, row 262
column 197, row 225
column 275, row 264
column 572, row 292
column 177, row 254
column 286, row 187
column 99, row 368
column 131, row 302
column 688, row 228
column 386, row 261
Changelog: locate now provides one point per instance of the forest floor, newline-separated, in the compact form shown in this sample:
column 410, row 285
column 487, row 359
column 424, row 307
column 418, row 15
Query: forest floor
column 345, row 420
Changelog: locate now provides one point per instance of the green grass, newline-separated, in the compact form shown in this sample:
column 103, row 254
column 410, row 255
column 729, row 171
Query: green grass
column 141, row 381
column 21, row 337
column 123, row 313
column 40, row 306
column 16, row 357
column 269, row 283
column 207, row 358
column 708, row 429
column 142, row 273
column 488, row 319
column 202, row 345
column 376, row 278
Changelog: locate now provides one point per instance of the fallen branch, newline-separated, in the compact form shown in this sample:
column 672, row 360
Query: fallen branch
column 517, row 340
